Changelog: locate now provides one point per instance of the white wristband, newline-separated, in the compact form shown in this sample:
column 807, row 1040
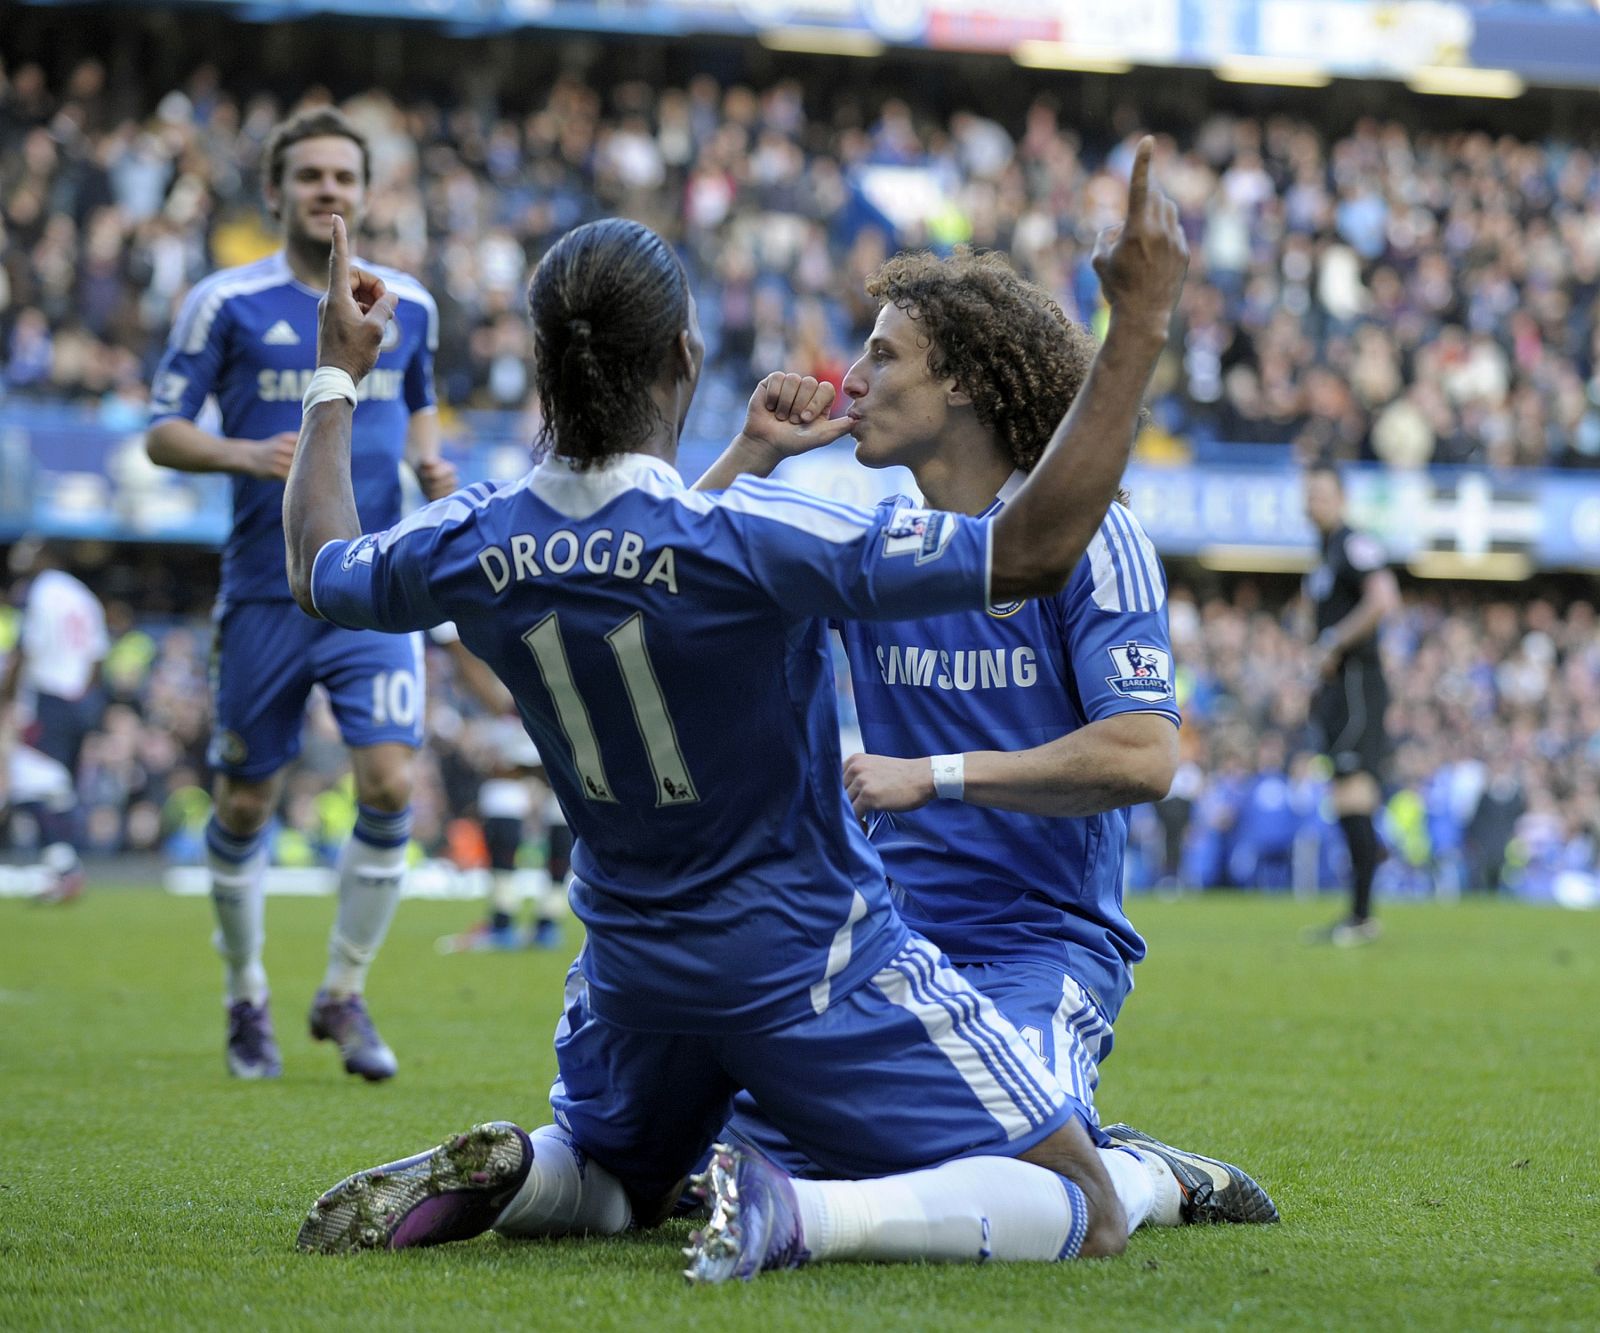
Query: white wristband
column 949, row 776
column 328, row 383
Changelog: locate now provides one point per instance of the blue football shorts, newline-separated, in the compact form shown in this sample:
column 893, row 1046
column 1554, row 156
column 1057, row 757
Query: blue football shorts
column 909, row 1070
column 265, row 658
column 1060, row 1022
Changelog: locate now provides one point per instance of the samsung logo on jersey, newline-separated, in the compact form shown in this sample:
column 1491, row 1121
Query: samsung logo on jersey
column 964, row 669
column 601, row 552
column 289, row 386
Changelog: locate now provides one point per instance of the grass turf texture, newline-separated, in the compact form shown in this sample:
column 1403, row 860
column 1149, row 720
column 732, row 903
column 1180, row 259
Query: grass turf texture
column 1424, row 1111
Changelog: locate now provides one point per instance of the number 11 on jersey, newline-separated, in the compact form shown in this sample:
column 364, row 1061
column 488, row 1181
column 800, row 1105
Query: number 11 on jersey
column 673, row 784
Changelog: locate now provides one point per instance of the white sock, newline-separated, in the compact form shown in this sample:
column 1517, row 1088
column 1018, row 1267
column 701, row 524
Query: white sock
column 1133, row 1182
column 505, row 892
column 370, row 874
column 565, row 1193
column 967, row 1211
column 238, row 898
column 1166, row 1197
column 238, row 866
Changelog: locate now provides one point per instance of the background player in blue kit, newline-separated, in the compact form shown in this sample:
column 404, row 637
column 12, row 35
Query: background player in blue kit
column 740, row 932
column 1006, row 742
column 247, row 337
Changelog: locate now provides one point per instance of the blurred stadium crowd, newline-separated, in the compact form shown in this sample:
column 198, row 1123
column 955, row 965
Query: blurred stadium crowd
column 1496, row 714
column 143, row 779
column 1392, row 295
column 1496, row 719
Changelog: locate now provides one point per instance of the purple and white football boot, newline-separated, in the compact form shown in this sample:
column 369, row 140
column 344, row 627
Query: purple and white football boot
column 453, row 1192
column 344, row 1019
column 755, row 1220
column 252, row 1050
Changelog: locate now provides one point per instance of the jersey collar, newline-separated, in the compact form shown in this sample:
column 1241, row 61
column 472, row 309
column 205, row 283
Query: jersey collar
column 627, row 468
column 1008, row 488
column 578, row 494
column 280, row 260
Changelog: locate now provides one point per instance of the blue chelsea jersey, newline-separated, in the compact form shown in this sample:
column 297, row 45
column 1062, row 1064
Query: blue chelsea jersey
column 991, row 885
column 248, row 337
column 668, row 653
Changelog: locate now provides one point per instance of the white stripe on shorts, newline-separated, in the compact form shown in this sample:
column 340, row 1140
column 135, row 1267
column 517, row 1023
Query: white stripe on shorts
column 838, row 954
column 1080, row 1032
column 1006, row 1077
column 991, row 1031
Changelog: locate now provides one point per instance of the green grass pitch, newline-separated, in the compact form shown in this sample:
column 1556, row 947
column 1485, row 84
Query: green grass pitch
column 1426, row 1113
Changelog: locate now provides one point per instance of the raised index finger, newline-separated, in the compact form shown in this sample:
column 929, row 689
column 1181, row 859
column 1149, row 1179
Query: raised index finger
column 1139, row 181
column 339, row 258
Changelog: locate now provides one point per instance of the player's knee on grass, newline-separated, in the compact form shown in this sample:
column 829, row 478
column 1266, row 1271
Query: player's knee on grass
column 1070, row 1152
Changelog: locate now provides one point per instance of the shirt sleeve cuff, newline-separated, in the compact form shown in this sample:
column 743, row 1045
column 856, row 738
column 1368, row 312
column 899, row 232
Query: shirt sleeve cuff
column 316, row 564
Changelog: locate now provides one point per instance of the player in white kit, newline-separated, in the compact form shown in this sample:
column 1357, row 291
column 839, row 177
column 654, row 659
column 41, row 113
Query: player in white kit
column 49, row 701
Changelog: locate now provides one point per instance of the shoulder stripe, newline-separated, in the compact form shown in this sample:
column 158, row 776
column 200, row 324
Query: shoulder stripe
column 1147, row 553
column 796, row 509
column 1131, row 540
column 205, row 302
column 1131, row 600
column 408, row 288
column 1144, row 552
column 783, row 491
column 399, row 278
column 412, row 291
column 206, row 297
column 1126, row 582
column 1138, row 576
column 1106, row 592
column 702, row 502
column 457, row 508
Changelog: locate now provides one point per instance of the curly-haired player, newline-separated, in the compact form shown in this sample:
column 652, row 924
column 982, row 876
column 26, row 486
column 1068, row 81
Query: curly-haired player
column 1018, row 359
column 1008, row 742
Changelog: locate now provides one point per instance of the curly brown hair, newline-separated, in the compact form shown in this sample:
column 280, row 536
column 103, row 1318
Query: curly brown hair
column 1004, row 340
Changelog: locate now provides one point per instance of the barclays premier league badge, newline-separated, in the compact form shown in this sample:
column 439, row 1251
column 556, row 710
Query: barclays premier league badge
column 1142, row 672
column 924, row 533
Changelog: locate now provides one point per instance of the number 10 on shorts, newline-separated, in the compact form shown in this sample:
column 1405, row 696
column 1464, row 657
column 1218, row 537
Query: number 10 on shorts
column 394, row 699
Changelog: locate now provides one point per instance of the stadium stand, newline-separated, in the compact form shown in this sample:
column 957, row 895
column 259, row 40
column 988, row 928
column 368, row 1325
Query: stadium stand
column 1375, row 291
column 1383, row 294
